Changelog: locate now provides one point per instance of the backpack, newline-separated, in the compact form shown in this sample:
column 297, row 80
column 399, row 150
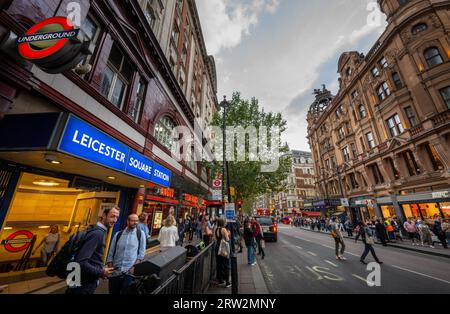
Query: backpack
column 58, row 265
column 138, row 235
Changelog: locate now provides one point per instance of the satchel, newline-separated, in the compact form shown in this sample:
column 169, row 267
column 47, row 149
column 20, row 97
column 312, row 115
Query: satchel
column 334, row 234
column 224, row 249
column 263, row 244
column 370, row 240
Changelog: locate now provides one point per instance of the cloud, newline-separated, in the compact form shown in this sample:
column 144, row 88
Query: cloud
column 226, row 22
column 285, row 55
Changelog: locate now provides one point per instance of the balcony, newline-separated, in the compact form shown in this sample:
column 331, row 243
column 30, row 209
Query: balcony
column 417, row 130
column 441, row 119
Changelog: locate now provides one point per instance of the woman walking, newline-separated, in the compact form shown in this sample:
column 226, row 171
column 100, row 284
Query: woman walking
column 222, row 263
column 366, row 234
column 50, row 245
column 249, row 239
column 258, row 234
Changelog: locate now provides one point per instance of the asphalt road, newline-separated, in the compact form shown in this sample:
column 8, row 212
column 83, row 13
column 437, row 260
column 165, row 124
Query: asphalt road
column 303, row 262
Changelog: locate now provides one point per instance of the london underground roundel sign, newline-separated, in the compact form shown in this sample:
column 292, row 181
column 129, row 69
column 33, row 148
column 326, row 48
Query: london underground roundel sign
column 46, row 38
column 18, row 241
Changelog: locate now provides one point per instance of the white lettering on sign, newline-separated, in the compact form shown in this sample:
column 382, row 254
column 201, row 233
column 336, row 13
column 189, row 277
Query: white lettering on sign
column 161, row 175
column 140, row 165
column 98, row 147
column 444, row 194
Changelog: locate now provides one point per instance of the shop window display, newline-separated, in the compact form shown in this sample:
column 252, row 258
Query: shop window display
column 445, row 207
column 388, row 211
column 429, row 210
column 411, row 211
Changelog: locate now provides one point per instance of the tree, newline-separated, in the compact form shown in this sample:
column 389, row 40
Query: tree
column 246, row 174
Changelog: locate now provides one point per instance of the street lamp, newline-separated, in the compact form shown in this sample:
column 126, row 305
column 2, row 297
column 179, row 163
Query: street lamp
column 234, row 272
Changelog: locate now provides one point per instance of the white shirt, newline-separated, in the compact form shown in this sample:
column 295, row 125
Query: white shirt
column 168, row 237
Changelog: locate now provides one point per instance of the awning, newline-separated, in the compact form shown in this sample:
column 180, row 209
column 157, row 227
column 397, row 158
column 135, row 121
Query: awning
column 312, row 214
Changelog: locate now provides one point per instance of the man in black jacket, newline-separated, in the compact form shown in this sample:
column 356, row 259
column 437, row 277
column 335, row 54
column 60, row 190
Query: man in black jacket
column 90, row 255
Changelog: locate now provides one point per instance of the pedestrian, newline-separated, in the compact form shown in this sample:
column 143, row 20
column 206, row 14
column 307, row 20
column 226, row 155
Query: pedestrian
column 425, row 233
column 249, row 239
column 199, row 227
column 50, row 245
column 258, row 234
column 410, row 227
column 348, row 227
column 127, row 249
column 366, row 234
column 90, row 255
column 439, row 232
column 397, row 232
column 168, row 235
column 143, row 226
column 389, row 229
column 338, row 239
column 381, row 232
column 222, row 263
column 188, row 228
column 180, row 231
column 207, row 230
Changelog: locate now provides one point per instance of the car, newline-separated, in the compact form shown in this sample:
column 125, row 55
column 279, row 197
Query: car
column 286, row 220
column 269, row 228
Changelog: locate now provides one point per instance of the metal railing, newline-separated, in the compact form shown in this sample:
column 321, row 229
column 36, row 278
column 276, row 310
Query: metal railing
column 193, row 278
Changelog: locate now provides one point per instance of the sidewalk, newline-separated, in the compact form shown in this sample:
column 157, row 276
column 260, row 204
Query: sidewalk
column 250, row 278
column 405, row 245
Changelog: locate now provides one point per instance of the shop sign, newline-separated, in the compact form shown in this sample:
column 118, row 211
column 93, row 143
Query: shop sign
column 217, row 195
column 18, row 241
column 217, row 184
column 190, row 198
column 82, row 140
column 308, row 205
column 230, row 212
column 344, row 202
column 364, row 202
column 443, row 194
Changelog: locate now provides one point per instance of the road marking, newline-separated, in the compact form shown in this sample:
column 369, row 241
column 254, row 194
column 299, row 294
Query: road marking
column 417, row 273
column 352, row 254
column 299, row 247
column 327, row 246
column 313, row 254
column 360, row 278
column 332, row 264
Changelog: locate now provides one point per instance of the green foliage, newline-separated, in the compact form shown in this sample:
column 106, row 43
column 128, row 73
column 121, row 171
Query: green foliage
column 245, row 173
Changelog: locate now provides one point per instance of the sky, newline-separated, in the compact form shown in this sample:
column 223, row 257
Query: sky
column 279, row 51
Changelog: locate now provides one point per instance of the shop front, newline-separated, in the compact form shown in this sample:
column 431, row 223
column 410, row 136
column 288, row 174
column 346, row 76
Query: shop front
column 426, row 206
column 362, row 209
column 59, row 174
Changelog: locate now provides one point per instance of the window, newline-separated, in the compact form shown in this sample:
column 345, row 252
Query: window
column 411, row 116
column 355, row 94
column 175, row 35
column 353, row 181
column 341, row 133
column 362, row 143
column 190, row 160
column 91, row 30
column 394, row 169
column 370, row 140
column 433, row 57
column 135, row 108
column 150, row 15
column 349, row 72
column 327, row 164
column 362, row 111
column 383, row 91
column 383, row 63
column 346, row 154
column 116, row 77
column 445, row 93
column 375, row 72
column 378, row 177
column 164, row 133
column 434, row 157
column 395, row 125
column 411, row 164
column 419, row 28
column 354, row 150
column 339, row 112
column 397, row 80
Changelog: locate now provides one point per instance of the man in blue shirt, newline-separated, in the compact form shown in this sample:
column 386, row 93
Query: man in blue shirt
column 127, row 249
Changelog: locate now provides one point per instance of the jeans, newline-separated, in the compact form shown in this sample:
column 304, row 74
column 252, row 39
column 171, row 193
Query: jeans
column 338, row 241
column 369, row 248
column 119, row 284
column 250, row 254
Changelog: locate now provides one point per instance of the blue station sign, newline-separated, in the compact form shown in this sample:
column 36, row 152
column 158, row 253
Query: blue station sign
column 82, row 140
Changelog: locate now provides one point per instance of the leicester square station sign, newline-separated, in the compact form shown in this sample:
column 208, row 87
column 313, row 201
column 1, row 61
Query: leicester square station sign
column 54, row 45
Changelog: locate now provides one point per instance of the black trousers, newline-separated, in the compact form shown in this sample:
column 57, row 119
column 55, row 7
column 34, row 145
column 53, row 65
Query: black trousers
column 369, row 248
column 223, row 269
column 443, row 238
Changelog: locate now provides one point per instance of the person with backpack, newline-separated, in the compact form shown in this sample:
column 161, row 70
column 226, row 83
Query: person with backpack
column 127, row 249
column 87, row 248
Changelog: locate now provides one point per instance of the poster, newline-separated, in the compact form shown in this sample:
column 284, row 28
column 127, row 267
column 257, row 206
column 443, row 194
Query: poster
column 157, row 222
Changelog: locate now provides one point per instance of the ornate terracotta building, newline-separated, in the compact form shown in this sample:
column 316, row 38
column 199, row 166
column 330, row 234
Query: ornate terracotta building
column 383, row 141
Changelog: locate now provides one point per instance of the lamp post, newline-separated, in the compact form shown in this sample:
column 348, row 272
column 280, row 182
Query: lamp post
column 233, row 258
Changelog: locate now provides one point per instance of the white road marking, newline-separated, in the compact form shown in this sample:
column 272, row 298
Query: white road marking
column 313, row 254
column 360, row 278
column 299, row 247
column 331, row 263
column 417, row 273
column 352, row 254
column 327, row 246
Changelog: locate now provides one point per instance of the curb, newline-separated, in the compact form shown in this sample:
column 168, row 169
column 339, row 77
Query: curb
column 392, row 245
column 258, row 279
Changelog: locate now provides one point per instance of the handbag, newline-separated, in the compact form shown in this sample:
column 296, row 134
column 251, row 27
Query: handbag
column 370, row 240
column 263, row 244
column 224, row 249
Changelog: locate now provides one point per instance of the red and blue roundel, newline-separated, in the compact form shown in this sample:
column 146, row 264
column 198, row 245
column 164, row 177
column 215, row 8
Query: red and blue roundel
column 46, row 38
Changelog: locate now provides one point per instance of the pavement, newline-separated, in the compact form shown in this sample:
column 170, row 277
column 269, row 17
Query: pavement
column 251, row 280
column 304, row 262
column 406, row 244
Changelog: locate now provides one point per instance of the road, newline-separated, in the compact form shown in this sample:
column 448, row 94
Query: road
column 303, row 262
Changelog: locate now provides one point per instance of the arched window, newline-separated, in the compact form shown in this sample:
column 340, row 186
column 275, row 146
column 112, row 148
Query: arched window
column 163, row 133
column 349, row 72
column 362, row 111
column 433, row 57
column 419, row 28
